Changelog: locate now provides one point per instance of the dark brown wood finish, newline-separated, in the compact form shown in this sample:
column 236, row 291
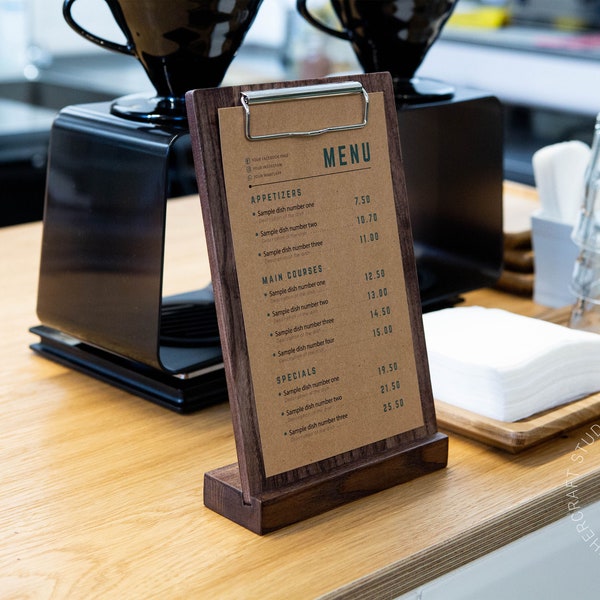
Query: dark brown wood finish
column 237, row 491
column 304, row 499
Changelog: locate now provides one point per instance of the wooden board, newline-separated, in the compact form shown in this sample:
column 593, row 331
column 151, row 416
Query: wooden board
column 520, row 435
column 519, row 203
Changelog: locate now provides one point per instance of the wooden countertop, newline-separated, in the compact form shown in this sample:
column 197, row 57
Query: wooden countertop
column 101, row 491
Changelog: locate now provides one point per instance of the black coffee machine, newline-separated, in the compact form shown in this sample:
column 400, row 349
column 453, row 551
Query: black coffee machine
column 100, row 299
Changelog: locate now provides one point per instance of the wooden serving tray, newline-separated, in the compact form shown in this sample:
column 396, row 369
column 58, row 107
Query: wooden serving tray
column 520, row 435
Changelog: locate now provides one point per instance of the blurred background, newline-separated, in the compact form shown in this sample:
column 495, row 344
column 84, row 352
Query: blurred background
column 541, row 58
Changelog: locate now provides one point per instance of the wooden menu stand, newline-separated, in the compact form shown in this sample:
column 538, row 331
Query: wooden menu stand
column 317, row 297
column 283, row 506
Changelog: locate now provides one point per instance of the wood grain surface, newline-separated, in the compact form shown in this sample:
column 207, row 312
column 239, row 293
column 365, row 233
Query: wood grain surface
column 519, row 435
column 101, row 491
column 203, row 108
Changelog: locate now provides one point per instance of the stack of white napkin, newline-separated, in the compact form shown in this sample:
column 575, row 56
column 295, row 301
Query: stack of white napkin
column 507, row 366
column 559, row 172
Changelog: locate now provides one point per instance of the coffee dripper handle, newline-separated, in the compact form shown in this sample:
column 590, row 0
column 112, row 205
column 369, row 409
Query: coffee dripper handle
column 90, row 36
column 301, row 6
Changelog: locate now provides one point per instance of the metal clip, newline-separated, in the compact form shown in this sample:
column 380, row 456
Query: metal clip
column 302, row 93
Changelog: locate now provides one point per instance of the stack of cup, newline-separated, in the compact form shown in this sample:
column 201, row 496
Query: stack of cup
column 585, row 283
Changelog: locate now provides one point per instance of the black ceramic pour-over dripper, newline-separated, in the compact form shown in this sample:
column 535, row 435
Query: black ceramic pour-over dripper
column 182, row 45
column 394, row 36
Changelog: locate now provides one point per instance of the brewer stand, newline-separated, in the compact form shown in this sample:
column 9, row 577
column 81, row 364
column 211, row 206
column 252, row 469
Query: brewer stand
column 100, row 299
column 100, row 287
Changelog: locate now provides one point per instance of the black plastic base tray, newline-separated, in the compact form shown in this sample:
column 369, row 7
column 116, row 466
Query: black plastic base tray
column 183, row 395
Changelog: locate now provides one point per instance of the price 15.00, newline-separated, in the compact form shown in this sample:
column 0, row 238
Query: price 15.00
column 384, row 330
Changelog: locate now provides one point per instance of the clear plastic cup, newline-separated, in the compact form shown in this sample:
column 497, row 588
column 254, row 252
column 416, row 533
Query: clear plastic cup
column 585, row 285
column 586, row 233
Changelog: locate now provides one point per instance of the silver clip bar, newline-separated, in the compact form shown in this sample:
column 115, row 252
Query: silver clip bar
column 303, row 93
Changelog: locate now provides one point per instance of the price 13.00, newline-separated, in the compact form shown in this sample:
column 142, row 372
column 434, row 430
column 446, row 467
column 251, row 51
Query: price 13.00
column 379, row 293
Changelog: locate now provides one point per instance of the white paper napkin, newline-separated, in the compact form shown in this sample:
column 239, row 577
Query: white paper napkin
column 507, row 366
column 559, row 172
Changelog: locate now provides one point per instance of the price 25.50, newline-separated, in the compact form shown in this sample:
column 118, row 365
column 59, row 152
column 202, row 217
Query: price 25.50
column 393, row 405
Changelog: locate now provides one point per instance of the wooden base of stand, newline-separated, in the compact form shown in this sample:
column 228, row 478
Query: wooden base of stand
column 305, row 499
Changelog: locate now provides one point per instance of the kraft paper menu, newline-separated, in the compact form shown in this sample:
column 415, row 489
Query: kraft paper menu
column 321, row 281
